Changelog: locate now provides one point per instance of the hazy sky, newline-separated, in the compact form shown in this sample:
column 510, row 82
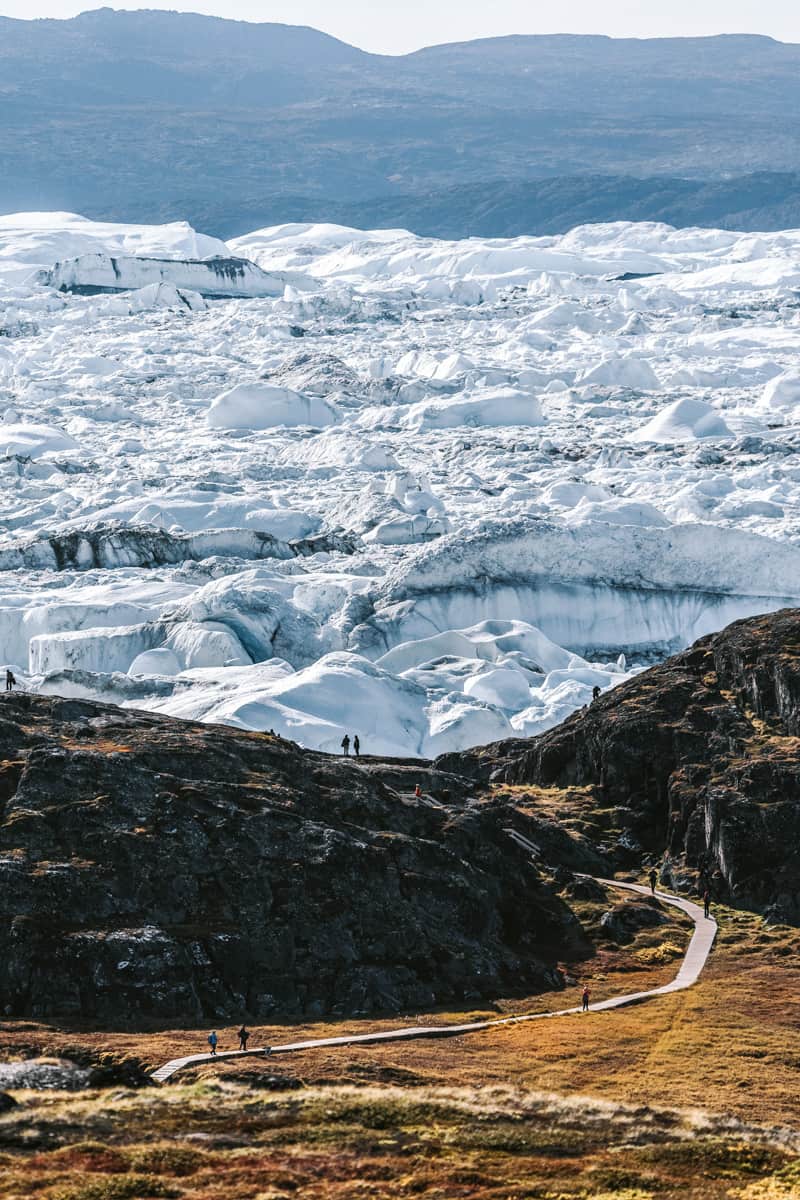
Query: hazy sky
column 394, row 26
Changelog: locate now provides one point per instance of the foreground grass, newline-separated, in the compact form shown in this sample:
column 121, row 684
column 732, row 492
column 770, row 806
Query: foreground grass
column 218, row 1140
column 465, row 1117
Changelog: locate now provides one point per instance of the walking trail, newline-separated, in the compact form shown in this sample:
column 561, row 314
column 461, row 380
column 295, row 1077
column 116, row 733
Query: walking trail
column 705, row 930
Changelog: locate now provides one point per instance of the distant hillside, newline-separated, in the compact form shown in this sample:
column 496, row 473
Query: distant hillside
column 155, row 115
column 506, row 208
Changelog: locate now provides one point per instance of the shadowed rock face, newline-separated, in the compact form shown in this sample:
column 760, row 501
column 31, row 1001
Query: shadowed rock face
column 702, row 753
column 153, row 867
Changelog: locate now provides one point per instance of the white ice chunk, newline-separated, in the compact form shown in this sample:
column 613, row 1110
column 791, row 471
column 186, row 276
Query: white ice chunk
column 264, row 406
column 32, row 441
column 782, row 394
column 684, row 421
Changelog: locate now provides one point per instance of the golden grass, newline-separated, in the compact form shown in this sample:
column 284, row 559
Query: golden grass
column 221, row 1141
column 478, row 1116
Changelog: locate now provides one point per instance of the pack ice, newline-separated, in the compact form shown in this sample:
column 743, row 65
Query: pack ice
column 321, row 480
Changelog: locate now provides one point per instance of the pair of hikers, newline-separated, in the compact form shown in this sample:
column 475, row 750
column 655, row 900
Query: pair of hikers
column 346, row 745
column 243, row 1036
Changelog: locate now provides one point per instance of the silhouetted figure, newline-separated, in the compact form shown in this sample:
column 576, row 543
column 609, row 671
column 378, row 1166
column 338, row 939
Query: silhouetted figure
column 595, row 692
column 653, row 877
column 346, row 745
column 10, row 681
column 212, row 1041
column 356, row 746
column 707, row 903
column 585, row 998
column 244, row 1034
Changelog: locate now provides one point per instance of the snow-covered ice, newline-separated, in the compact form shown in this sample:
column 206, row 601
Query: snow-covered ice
column 433, row 493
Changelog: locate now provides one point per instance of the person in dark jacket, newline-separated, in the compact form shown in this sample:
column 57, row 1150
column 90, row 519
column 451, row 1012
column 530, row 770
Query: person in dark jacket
column 346, row 745
column 585, row 998
column 11, row 682
column 212, row 1041
column 244, row 1034
column 356, row 746
column 653, row 877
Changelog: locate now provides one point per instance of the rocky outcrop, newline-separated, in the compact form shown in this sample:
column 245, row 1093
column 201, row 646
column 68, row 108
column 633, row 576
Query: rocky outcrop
column 624, row 921
column 154, row 867
column 699, row 757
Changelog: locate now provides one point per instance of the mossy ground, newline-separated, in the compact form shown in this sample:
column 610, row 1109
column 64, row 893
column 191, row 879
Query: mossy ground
column 215, row 1139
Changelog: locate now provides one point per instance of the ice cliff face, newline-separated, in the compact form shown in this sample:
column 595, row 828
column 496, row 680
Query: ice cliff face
column 430, row 492
column 218, row 278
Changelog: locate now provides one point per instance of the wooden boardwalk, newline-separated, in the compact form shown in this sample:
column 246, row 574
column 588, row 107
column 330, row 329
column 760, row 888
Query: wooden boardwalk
column 693, row 962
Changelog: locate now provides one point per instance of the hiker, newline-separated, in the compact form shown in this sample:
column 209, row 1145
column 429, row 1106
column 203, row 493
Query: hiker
column 585, row 998
column 356, row 746
column 10, row 681
column 653, row 877
column 346, row 745
column 212, row 1041
column 595, row 692
column 244, row 1034
column 706, row 903
column 418, row 791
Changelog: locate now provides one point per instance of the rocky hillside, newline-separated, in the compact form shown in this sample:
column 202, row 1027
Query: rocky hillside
column 151, row 867
column 698, row 758
column 148, row 866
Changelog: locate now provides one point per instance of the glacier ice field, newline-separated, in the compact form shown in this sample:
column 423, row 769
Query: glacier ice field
column 430, row 493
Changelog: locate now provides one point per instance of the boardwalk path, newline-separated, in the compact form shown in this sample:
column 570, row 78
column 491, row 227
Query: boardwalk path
column 693, row 963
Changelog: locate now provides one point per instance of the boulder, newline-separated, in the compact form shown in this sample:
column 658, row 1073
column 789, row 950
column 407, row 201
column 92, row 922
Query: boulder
column 625, row 920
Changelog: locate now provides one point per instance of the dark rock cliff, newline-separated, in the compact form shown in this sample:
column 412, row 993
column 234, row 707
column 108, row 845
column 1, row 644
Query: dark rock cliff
column 702, row 757
column 154, row 867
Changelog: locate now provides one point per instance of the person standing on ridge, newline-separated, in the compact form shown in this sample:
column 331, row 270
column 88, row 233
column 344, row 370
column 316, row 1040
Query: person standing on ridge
column 653, row 877
column 346, row 745
column 595, row 693
column 585, row 998
column 244, row 1034
column 10, row 681
column 356, row 746
column 212, row 1041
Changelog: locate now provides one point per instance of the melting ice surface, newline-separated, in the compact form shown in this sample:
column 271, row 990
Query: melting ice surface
column 429, row 492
